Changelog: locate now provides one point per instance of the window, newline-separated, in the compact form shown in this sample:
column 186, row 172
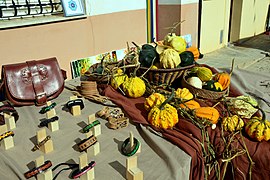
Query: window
column 28, row 8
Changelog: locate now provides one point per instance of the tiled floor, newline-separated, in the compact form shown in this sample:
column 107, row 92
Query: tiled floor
column 251, row 54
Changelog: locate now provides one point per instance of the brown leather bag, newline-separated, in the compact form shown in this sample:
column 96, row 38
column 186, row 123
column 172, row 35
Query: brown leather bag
column 32, row 82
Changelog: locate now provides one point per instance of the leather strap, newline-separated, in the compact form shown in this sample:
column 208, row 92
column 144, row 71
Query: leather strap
column 41, row 97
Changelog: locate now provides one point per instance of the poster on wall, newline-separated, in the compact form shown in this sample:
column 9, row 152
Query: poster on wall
column 80, row 66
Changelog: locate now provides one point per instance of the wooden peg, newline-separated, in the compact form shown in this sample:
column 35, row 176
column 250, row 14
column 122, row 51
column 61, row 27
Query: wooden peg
column 83, row 161
column 75, row 110
column 132, row 171
column 9, row 121
column 96, row 130
column 45, row 175
column 7, row 142
column 51, row 113
column 53, row 126
column 131, row 140
column 48, row 146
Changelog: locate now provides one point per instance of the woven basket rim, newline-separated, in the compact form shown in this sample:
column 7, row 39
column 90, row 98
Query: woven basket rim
column 204, row 93
column 168, row 70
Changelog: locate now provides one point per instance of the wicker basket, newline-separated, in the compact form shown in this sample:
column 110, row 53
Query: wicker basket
column 104, row 78
column 202, row 93
column 162, row 76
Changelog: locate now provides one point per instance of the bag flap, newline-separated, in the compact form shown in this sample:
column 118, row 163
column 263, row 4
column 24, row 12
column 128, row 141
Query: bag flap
column 18, row 79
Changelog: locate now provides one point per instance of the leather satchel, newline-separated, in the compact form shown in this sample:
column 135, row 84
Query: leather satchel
column 32, row 82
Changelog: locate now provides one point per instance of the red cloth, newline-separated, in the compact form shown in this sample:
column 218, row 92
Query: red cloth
column 185, row 133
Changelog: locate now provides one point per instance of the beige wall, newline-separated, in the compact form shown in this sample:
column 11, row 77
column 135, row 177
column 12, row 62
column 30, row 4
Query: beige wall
column 169, row 14
column 73, row 39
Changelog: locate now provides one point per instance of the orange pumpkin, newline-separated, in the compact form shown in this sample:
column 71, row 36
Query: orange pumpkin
column 224, row 79
column 191, row 104
column 209, row 113
column 195, row 52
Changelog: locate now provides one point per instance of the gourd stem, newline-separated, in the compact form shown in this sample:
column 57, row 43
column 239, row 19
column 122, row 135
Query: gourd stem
column 167, row 100
column 263, row 114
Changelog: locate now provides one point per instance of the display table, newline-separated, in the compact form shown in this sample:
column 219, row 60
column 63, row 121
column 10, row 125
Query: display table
column 158, row 159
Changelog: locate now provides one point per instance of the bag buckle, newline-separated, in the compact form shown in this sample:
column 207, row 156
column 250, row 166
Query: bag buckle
column 41, row 98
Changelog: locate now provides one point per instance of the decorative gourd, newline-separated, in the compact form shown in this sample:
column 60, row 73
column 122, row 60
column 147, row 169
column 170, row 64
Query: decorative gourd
column 204, row 73
column 195, row 81
column 191, row 104
column 213, row 86
column 178, row 43
column 184, row 94
column 223, row 78
column 169, row 58
column 168, row 38
column 232, row 123
column 187, row 58
column 153, row 100
column 258, row 128
column 209, row 113
column 118, row 79
column 243, row 106
column 134, row 87
column 164, row 115
column 195, row 51
column 147, row 55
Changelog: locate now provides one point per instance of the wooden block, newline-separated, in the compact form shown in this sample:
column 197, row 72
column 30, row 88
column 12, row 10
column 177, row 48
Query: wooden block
column 10, row 122
column 134, row 174
column 75, row 110
column 90, row 133
column 53, row 126
column 51, row 113
column 48, row 146
column 91, row 118
column 83, row 161
column 132, row 171
column 93, row 150
column 3, row 129
column 96, row 130
column 46, row 175
column 8, row 142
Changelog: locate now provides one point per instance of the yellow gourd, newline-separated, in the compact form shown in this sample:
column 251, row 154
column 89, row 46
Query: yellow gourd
column 232, row 123
column 164, row 115
column 153, row 100
column 184, row 94
column 134, row 87
column 258, row 128
column 118, row 79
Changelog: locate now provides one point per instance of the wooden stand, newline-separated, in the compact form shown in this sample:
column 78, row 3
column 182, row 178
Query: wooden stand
column 53, row 126
column 9, row 121
column 93, row 150
column 83, row 161
column 7, row 142
column 51, row 113
column 48, row 146
column 132, row 171
column 45, row 175
column 131, row 140
column 96, row 129
column 75, row 110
